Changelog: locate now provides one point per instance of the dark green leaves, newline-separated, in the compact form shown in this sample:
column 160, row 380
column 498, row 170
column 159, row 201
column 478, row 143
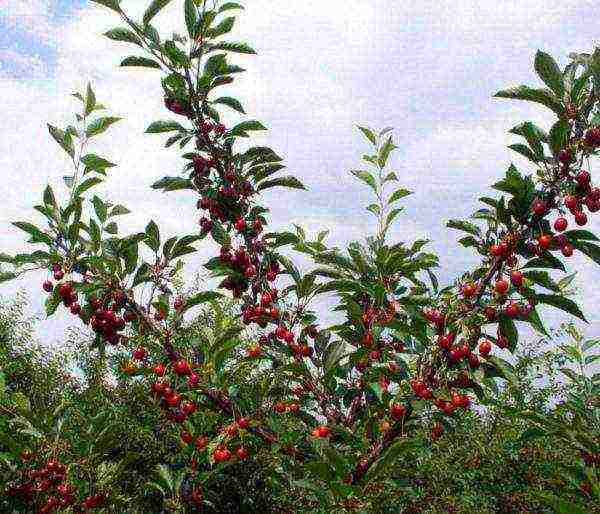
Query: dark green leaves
column 222, row 28
column 172, row 184
column 111, row 4
column 100, row 125
column 560, row 302
column 201, row 298
column 240, row 48
column 152, row 236
column 94, row 163
column 123, row 34
column 154, row 8
column 163, row 126
column 368, row 133
column 191, row 17
column 549, row 72
column 465, row 226
column 140, row 61
column 241, row 129
column 230, row 102
column 288, row 181
column 541, row 96
column 63, row 139
column 37, row 236
column 559, row 135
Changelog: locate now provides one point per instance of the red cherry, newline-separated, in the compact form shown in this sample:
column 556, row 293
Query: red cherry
column 48, row 286
column 567, row 250
column 221, row 455
column 280, row 407
column 545, row 241
column 561, row 224
column 322, row 432
column 512, row 310
column 140, row 353
column 243, row 423
column 240, row 225
column 539, row 207
column 469, row 290
column 565, row 156
column 498, row 249
column 398, row 411
column 178, row 303
column 501, row 287
column 583, row 178
column 242, row 453
column 516, row 277
column 159, row 369
column 485, row 347
column 572, row 202
column 182, row 367
column 186, row 437
column 581, row 218
column 193, row 380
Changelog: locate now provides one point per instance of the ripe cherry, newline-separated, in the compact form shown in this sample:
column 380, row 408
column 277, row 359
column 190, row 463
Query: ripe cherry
column 243, row 423
column 48, row 286
column 512, row 310
column 580, row 218
column 539, row 207
column 254, row 351
column 159, row 369
column 398, row 411
column 178, row 303
column 583, row 178
column 322, row 432
column 193, row 380
column 516, row 277
column 571, row 202
column 186, row 437
column 140, row 353
column 565, row 156
column 498, row 250
column 545, row 241
column 501, row 287
column 567, row 250
column 242, row 453
column 221, row 454
column 182, row 367
column 485, row 347
column 280, row 407
column 561, row 224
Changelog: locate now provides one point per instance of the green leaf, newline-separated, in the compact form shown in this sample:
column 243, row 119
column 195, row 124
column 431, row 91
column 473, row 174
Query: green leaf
column 87, row 184
column 223, row 28
column 95, row 163
column 191, row 17
column 90, row 100
column 366, row 177
column 465, row 226
column 111, row 4
column 52, row 303
column 240, row 48
column 63, row 139
column 541, row 96
column 589, row 249
column 230, row 102
column 111, row 228
column 152, row 236
column 219, row 234
column 525, row 151
column 154, row 8
column 385, row 151
column 123, row 34
column 100, row 208
column 549, row 72
column 201, row 298
column 545, row 261
column 140, row 61
column 560, row 302
column 581, row 235
column 118, row 210
column 559, row 135
column 542, row 278
column 506, row 370
column 399, row 194
column 100, row 125
column 287, row 181
column 509, row 330
column 5, row 276
column 163, row 126
column 368, row 133
column 37, row 236
column 230, row 5
column 241, row 128
column 173, row 184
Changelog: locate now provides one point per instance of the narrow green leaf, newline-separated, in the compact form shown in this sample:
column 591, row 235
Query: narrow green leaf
column 63, row 139
column 124, row 35
column 100, row 125
column 549, row 72
column 140, row 61
column 154, row 8
column 230, row 102
column 159, row 127
column 289, row 181
column 560, row 302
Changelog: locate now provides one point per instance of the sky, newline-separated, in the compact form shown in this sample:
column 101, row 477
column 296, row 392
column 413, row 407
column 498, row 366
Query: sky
column 428, row 69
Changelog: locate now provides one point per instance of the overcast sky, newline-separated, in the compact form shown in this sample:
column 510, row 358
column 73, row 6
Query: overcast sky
column 427, row 68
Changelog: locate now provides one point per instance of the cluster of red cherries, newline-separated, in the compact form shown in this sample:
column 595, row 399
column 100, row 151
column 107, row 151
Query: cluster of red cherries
column 46, row 487
column 101, row 314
